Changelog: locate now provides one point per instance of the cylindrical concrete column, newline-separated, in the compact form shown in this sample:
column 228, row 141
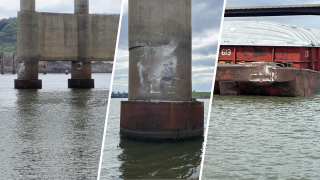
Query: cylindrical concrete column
column 28, row 36
column 81, row 6
column 14, row 63
column 28, row 5
column 160, row 106
column 83, row 72
column 81, row 69
column 2, row 62
column 84, row 38
column 160, row 50
column 28, row 47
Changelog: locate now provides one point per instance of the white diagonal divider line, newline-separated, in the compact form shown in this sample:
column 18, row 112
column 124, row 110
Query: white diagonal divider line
column 212, row 88
column 110, row 91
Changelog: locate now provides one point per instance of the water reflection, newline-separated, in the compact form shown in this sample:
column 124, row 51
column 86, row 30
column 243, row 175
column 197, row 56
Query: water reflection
column 143, row 160
column 129, row 159
column 27, row 129
column 51, row 133
column 261, row 137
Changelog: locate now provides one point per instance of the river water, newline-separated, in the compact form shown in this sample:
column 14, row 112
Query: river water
column 53, row 133
column 130, row 159
column 255, row 137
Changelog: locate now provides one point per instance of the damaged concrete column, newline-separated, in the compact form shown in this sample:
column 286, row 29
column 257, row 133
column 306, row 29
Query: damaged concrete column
column 81, row 69
column 160, row 106
column 28, row 49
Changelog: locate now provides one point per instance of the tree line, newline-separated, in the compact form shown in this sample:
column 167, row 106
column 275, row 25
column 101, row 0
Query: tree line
column 8, row 35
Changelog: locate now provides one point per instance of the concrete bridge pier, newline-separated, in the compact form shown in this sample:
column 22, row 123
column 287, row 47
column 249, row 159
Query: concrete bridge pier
column 2, row 62
column 81, row 69
column 160, row 106
column 28, row 52
column 14, row 63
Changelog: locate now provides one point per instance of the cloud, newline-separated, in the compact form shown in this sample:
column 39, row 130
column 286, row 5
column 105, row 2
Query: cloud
column 122, row 59
column 202, row 69
column 202, row 77
column 60, row 6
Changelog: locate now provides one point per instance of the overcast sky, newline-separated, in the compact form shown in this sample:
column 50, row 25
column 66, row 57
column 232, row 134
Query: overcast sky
column 305, row 21
column 9, row 8
column 206, row 20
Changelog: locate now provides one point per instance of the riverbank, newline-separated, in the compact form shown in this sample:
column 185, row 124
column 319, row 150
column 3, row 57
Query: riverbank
column 54, row 67
column 201, row 95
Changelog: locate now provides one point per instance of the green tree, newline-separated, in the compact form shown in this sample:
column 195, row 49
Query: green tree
column 8, row 34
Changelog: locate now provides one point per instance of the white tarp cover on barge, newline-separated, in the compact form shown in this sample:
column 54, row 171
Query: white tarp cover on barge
column 266, row 33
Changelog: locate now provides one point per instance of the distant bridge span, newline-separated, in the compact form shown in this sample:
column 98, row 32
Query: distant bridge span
column 284, row 10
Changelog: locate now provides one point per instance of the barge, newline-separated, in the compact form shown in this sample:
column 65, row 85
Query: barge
column 268, row 58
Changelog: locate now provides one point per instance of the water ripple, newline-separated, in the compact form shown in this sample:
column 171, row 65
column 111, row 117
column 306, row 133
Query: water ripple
column 254, row 137
column 53, row 133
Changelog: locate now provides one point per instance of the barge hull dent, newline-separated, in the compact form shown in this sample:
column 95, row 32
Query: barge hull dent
column 265, row 79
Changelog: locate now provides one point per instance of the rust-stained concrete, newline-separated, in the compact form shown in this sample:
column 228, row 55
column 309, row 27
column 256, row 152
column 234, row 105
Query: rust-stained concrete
column 161, row 121
column 160, row 106
column 160, row 50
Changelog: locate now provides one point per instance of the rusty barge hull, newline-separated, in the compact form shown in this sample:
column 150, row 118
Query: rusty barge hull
column 263, row 78
column 268, row 70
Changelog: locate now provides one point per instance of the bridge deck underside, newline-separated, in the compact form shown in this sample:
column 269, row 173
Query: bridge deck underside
column 273, row 11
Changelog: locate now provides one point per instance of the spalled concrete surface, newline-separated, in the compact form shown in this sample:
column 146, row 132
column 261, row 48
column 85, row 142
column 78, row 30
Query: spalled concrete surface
column 159, row 106
column 160, row 50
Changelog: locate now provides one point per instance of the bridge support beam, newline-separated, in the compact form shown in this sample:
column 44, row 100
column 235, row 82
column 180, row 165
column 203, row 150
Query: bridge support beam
column 28, row 39
column 160, row 106
column 81, row 69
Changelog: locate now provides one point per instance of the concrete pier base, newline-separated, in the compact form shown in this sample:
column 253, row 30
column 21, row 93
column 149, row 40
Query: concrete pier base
column 29, row 77
column 81, row 83
column 81, row 76
column 161, row 121
column 160, row 69
column 28, row 84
